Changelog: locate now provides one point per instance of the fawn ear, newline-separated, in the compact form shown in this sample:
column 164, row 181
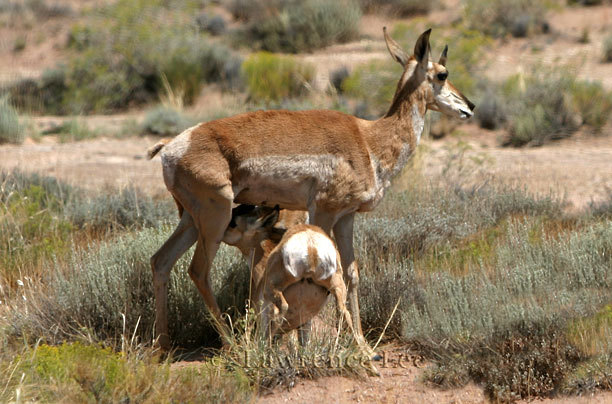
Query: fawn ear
column 269, row 219
column 395, row 49
column 421, row 49
column 240, row 210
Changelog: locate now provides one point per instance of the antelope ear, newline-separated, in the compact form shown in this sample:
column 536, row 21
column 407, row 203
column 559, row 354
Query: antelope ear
column 269, row 219
column 443, row 56
column 421, row 48
column 395, row 49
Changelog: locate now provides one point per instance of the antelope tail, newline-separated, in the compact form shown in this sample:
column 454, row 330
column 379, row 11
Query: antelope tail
column 153, row 150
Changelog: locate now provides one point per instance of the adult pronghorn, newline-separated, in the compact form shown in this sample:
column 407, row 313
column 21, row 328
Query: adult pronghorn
column 326, row 162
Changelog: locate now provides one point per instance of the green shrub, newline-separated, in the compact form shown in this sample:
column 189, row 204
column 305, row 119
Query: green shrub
column 44, row 95
column 547, row 104
column 19, row 44
column 165, row 121
column 272, row 77
column 401, row 8
column 10, row 129
column 287, row 26
column 39, row 9
column 126, row 209
column 79, row 372
column 123, row 51
column 117, row 278
column 501, row 17
column 539, row 107
column 585, row 2
column 424, row 223
column 607, row 49
column 40, row 216
column 492, row 111
column 31, row 228
column 214, row 25
column 593, row 102
column 517, row 350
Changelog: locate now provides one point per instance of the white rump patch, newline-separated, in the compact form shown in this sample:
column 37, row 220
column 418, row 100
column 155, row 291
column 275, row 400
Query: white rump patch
column 173, row 152
column 296, row 260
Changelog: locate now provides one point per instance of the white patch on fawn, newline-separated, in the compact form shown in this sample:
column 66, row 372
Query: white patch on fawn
column 173, row 152
column 297, row 262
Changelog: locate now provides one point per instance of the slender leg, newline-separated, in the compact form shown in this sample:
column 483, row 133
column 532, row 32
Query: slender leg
column 322, row 219
column 343, row 234
column 162, row 262
column 214, row 216
column 338, row 289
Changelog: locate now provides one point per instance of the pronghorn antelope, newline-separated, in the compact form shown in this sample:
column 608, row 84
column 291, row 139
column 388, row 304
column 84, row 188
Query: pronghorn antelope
column 258, row 231
column 325, row 162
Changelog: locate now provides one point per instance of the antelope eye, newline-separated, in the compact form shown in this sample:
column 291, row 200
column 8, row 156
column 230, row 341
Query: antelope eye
column 442, row 76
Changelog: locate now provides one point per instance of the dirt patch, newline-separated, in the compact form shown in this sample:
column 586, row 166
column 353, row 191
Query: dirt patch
column 395, row 385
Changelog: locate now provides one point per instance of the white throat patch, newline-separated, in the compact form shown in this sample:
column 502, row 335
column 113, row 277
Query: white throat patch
column 418, row 122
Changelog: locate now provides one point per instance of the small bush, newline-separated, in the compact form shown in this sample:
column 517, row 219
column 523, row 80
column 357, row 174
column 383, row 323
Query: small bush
column 39, row 216
column 165, row 121
column 593, row 102
column 491, row 112
column 585, row 2
column 123, row 52
column 19, row 44
column 544, row 105
column 299, row 26
column 44, row 95
column 539, row 107
column 126, row 209
column 81, row 372
column 607, row 49
column 500, row 17
column 272, row 77
column 214, row 25
column 10, row 129
column 400, row 8
column 117, row 278
column 39, row 9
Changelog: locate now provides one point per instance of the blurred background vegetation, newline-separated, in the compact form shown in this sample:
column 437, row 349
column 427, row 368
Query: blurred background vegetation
column 76, row 304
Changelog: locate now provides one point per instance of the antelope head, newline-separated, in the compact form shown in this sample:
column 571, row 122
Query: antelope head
column 428, row 79
column 250, row 225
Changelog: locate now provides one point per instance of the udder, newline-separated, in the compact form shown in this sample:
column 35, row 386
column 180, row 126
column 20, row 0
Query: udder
column 305, row 300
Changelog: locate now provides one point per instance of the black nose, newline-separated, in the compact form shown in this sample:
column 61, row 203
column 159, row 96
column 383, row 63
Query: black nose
column 471, row 105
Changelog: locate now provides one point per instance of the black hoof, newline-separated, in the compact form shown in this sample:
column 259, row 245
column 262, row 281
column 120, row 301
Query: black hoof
column 377, row 358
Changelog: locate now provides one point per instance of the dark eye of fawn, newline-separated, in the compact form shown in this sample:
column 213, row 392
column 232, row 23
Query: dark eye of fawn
column 442, row 76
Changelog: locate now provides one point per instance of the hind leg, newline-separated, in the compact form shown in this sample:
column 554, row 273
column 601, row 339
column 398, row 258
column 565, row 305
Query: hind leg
column 338, row 288
column 274, row 281
column 162, row 262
